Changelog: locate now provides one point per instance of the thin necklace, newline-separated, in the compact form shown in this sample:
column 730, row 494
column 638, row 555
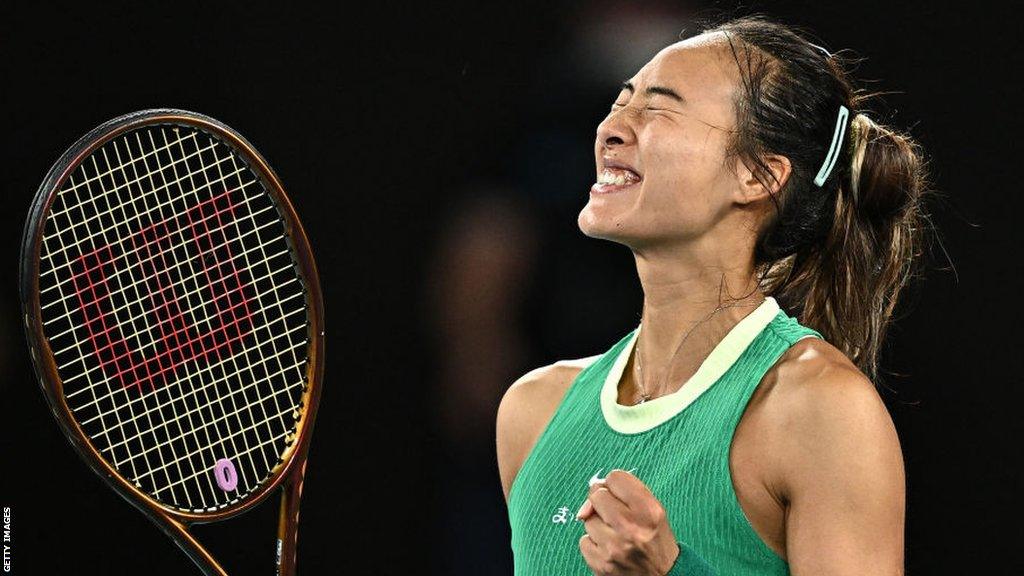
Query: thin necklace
column 644, row 395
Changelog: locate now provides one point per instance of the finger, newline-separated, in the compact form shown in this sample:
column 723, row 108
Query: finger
column 585, row 510
column 588, row 507
column 610, row 508
column 599, row 530
column 590, row 550
column 627, row 487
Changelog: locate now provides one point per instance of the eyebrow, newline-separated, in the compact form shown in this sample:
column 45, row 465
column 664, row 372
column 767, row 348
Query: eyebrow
column 652, row 90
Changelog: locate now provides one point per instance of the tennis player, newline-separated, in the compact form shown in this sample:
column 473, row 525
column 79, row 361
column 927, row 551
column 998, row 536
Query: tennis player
column 737, row 429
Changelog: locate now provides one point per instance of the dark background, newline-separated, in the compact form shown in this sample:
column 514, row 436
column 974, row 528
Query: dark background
column 438, row 157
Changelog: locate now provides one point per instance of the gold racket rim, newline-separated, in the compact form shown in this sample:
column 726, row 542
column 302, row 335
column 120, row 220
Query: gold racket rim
column 43, row 359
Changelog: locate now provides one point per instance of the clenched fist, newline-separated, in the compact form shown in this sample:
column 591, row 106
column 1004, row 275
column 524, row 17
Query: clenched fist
column 628, row 533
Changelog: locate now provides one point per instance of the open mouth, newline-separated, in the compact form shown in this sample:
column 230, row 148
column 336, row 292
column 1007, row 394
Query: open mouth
column 615, row 180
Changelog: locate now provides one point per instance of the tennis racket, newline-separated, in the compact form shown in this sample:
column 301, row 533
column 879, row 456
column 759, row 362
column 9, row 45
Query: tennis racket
column 175, row 321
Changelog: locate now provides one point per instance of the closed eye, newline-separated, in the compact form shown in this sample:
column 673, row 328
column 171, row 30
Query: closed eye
column 650, row 108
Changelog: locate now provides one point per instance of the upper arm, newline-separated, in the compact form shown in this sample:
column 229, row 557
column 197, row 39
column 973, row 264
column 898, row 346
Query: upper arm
column 843, row 477
column 518, row 422
column 525, row 410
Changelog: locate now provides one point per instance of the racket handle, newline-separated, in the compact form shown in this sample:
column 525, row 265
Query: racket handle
column 288, row 527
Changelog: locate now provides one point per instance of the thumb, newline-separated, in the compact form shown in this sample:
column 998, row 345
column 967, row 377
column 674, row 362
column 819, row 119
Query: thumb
column 588, row 507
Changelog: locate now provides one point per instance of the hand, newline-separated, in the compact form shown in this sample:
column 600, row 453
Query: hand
column 627, row 529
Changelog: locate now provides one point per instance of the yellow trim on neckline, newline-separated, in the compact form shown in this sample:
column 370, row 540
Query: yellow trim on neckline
column 643, row 417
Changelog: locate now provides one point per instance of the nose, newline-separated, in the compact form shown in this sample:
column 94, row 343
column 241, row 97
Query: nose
column 616, row 129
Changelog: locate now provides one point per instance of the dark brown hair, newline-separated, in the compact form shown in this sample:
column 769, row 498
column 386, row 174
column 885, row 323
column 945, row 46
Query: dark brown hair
column 835, row 256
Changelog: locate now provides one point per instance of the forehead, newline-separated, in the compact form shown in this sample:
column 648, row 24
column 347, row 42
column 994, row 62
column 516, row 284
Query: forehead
column 701, row 68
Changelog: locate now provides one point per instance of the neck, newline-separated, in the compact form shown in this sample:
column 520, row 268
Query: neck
column 680, row 290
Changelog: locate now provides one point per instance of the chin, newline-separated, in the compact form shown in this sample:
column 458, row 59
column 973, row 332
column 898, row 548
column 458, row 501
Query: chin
column 595, row 224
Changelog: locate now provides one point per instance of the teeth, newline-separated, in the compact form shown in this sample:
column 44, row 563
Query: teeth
column 617, row 177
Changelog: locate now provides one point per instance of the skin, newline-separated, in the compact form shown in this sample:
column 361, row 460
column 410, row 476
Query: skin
column 816, row 461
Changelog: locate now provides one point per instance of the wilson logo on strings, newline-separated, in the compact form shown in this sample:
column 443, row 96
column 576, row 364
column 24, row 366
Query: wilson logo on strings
column 196, row 307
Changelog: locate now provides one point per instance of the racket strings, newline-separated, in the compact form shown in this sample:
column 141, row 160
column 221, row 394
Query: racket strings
column 180, row 342
column 170, row 293
column 75, row 226
column 178, row 285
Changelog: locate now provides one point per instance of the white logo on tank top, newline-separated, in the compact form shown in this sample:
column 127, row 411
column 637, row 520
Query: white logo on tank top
column 561, row 515
column 594, row 479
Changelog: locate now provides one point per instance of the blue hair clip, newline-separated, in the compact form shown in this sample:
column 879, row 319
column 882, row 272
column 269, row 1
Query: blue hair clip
column 833, row 149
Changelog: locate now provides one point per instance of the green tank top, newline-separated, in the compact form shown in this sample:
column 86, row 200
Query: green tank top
column 678, row 445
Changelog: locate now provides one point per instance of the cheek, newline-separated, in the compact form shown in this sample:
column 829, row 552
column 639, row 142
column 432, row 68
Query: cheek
column 678, row 163
column 675, row 167
column 682, row 177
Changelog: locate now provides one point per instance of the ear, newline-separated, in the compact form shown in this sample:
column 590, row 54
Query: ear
column 750, row 187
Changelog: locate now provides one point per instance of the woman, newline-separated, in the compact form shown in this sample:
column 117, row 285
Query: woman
column 722, row 435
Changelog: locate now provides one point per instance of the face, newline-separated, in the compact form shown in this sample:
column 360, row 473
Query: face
column 660, row 152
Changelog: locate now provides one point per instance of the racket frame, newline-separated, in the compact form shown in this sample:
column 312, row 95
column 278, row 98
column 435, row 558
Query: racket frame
column 289, row 476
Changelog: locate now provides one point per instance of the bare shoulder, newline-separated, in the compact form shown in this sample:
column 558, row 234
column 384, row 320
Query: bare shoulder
column 525, row 410
column 813, row 375
column 825, row 412
column 837, row 463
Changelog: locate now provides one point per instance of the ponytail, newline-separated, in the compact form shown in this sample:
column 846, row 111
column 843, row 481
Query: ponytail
column 872, row 247
column 839, row 249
